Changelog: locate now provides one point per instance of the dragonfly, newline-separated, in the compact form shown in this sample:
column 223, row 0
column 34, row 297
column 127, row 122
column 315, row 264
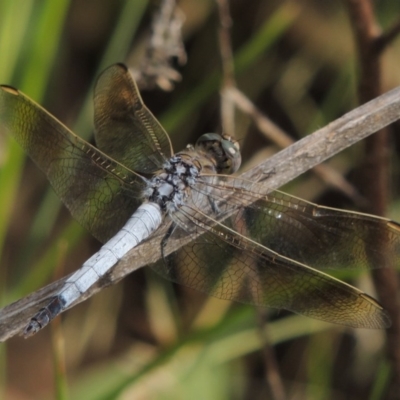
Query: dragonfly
column 231, row 240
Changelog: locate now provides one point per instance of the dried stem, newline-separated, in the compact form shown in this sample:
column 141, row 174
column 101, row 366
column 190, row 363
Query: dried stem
column 272, row 173
column 275, row 134
column 272, row 375
column 387, row 37
column 228, row 77
column 164, row 45
column 376, row 170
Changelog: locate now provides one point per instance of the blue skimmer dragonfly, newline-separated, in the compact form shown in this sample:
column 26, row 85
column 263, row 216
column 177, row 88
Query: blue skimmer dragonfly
column 268, row 250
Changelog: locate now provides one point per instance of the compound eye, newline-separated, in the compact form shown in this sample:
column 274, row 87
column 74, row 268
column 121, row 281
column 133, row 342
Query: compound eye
column 224, row 149
column 231, row 148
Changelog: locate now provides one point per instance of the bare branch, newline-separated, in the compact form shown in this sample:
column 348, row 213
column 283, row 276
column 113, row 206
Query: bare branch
column 228, row 77
column 164, row 45
column 376, row 166
column 273, row 173
column 272, row 375
column 282, row 139
column 387, row 37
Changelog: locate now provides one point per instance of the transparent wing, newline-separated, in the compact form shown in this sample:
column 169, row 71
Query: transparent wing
column 254, row 253
column 125, row 128
column 321, row 237
column 100, row 193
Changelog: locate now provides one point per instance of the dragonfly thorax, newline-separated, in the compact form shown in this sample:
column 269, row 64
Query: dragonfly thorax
column 212, row 154
column 170, row 187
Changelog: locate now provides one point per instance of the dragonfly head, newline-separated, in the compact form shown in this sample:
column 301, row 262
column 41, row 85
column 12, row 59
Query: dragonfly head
column 223, row 149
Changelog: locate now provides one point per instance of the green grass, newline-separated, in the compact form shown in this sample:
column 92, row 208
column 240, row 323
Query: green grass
column 184, row 349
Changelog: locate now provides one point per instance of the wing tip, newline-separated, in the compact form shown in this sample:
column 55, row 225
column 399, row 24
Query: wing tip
column 9, row 89
column 122, row 65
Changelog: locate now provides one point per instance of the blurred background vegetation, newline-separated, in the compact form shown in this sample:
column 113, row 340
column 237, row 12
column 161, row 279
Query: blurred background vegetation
column 146, row 338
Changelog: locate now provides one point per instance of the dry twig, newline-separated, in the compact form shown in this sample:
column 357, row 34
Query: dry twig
column 282, row 139
column 165, row 44
column 228, row 77
column 370, row 44
column 272, row 374
column 272, row 173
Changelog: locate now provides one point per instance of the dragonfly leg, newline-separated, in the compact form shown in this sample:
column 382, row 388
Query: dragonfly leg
column 164, row 240
column 214, row 206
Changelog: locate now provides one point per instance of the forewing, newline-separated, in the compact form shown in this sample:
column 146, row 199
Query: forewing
column 125, row 128
column 100, row 193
